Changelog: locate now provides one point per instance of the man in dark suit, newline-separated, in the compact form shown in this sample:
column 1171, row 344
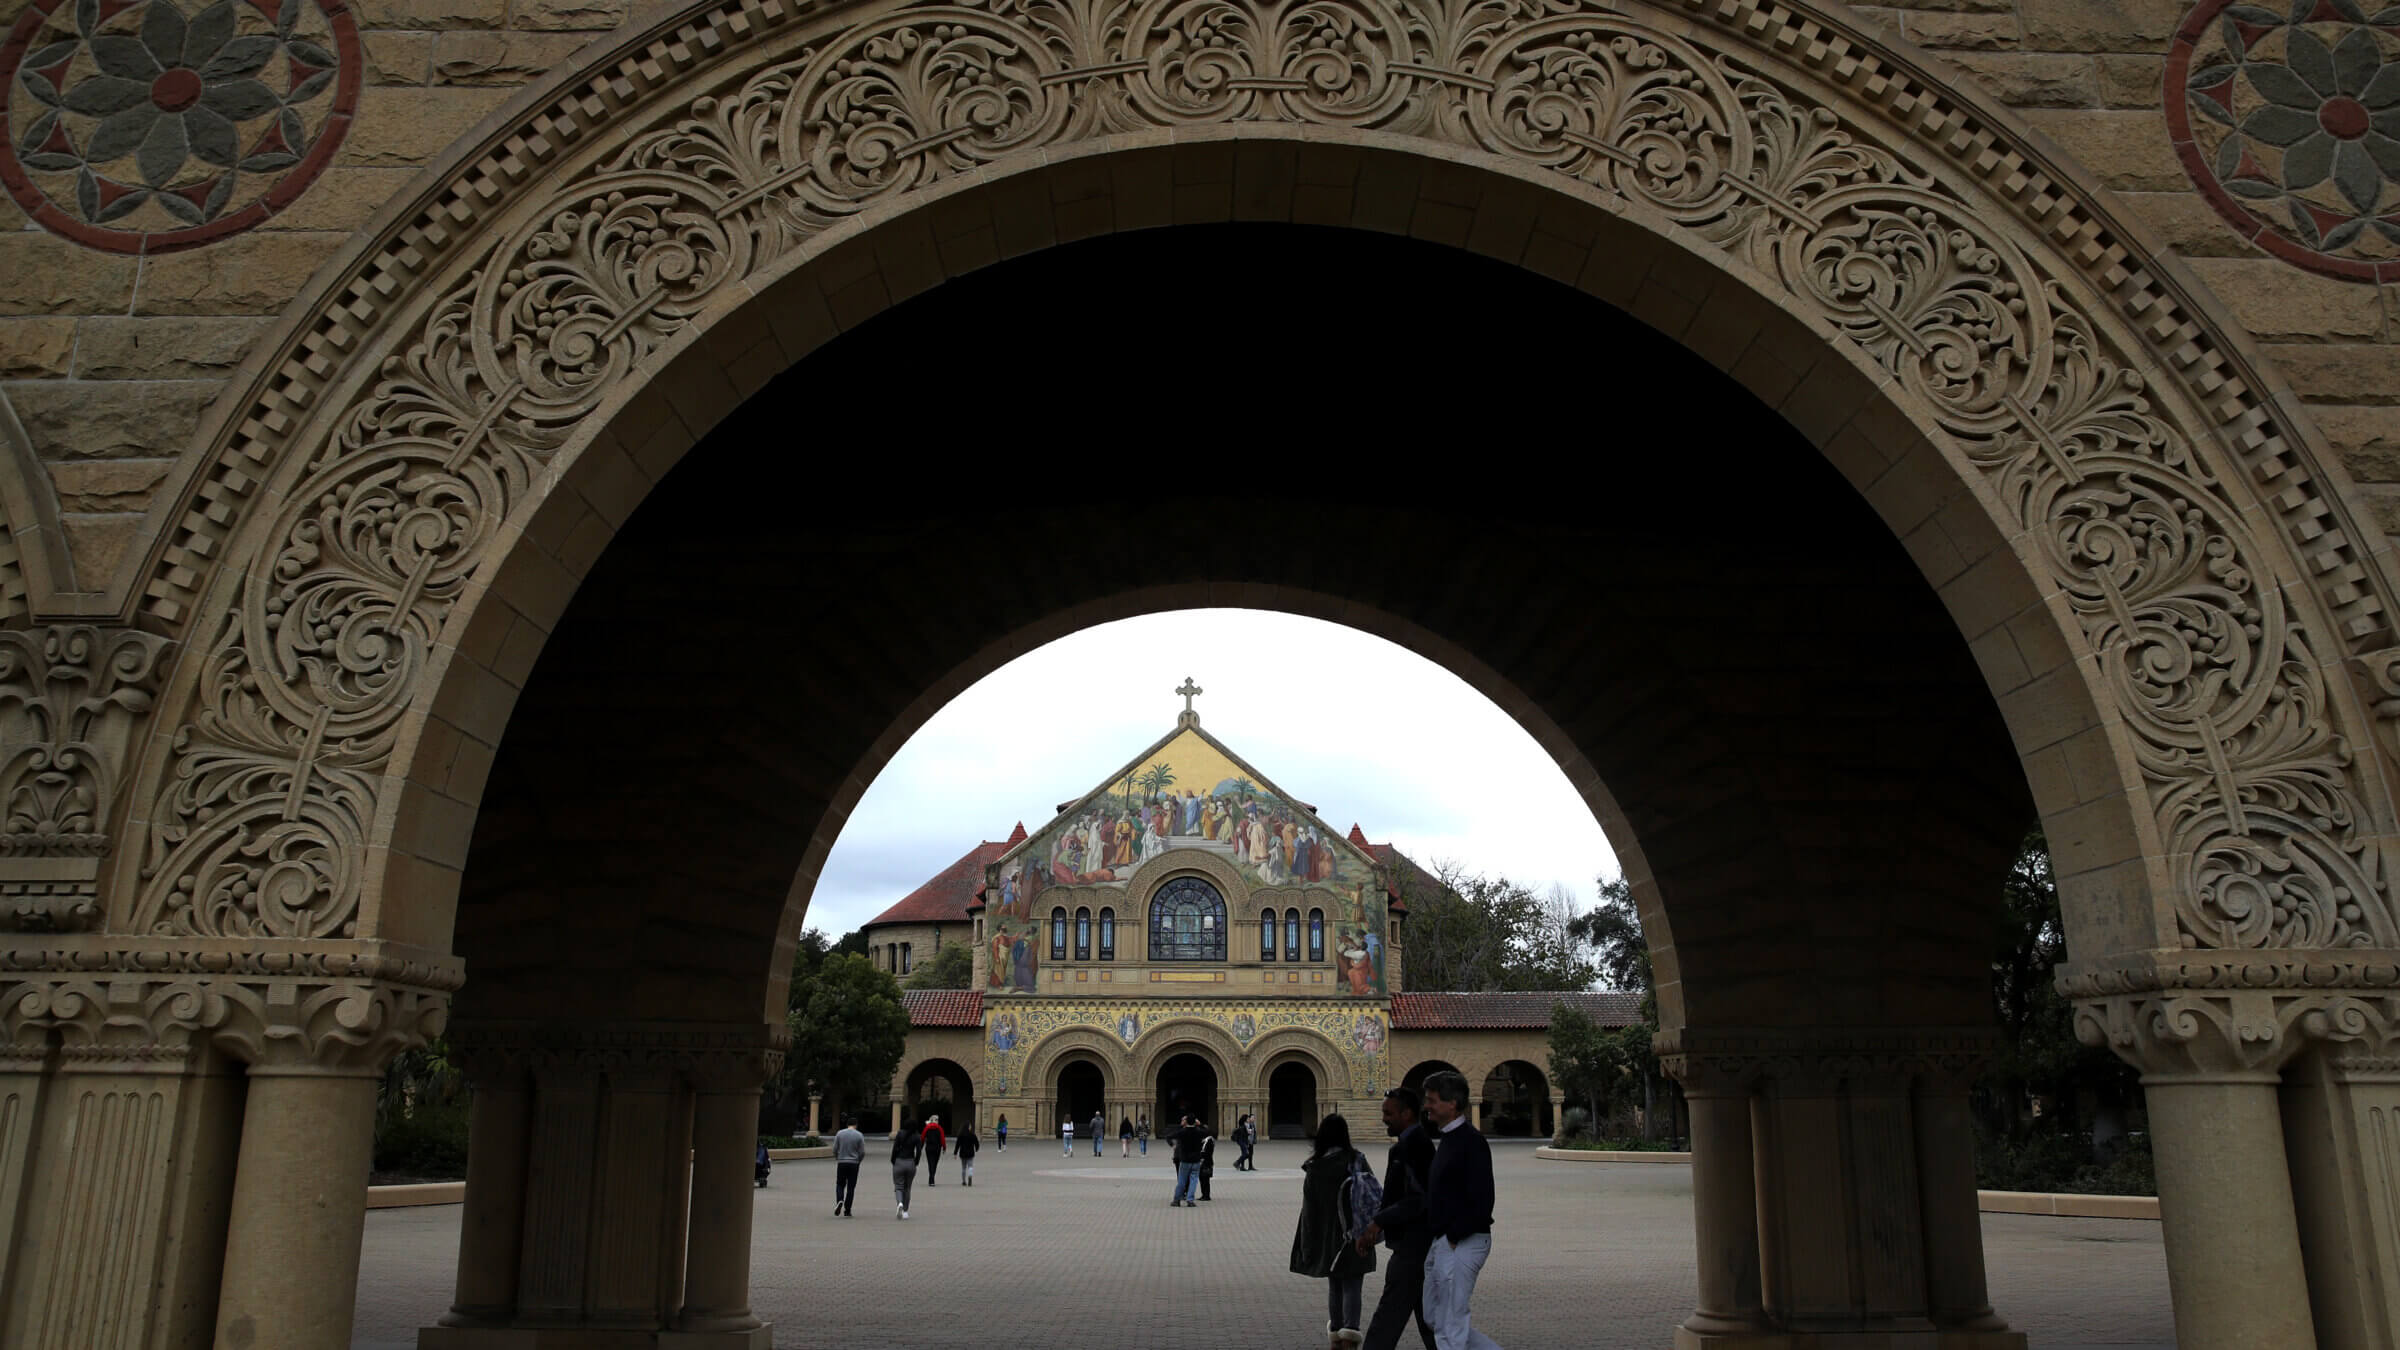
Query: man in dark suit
column 1458, row 1210
column 1401, row 1226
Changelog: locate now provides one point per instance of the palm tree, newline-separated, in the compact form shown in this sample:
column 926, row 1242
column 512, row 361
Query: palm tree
column 1157, row 778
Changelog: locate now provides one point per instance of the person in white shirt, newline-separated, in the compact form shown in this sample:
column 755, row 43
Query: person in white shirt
column 1066, row 1138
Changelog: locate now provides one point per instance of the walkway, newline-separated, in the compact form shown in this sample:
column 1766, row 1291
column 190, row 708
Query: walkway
column 1050, row 1254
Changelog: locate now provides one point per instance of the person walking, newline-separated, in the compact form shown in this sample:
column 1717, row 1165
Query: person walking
column 1208, row 1158
column 968, row 1147
column 1125, row 1137
column 1099, row 1127
column 908, row 1143
column 1400, row 1224
column 1141, row 1132
column 849, row 1151
column 1001, row 1129
column 1187, row 1162
column 1325, row 1243
column 1066, row 1137
column 935, row 1142
column 1245, row 1133
column 1458, row 1214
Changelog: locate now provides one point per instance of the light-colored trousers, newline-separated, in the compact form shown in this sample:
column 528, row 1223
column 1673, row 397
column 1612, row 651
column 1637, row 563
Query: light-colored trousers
column 1449, row 1283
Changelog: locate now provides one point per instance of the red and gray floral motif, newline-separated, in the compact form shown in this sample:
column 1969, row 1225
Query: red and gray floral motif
column 152, row 125
column 2288, row 120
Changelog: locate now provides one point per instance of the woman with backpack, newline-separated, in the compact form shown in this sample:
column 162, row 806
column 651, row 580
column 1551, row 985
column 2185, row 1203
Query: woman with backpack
column 1338, row 1189
column 908, row 1145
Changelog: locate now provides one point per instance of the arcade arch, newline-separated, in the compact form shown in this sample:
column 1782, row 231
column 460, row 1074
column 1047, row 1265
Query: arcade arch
column 2009, row 411
column 939, row 1086
column 1515, row 1101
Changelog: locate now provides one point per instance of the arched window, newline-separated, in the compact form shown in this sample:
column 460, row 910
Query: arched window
column 1291, row 935
column 1266, row 935
column 906, row 949
column 1316, row 935
column 1083, row 935
column 1058, row 934
column 1187, row 922
column 1108, row 935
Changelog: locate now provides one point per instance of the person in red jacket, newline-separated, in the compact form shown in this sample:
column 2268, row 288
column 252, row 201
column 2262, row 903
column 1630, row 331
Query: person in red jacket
column 934, row 1140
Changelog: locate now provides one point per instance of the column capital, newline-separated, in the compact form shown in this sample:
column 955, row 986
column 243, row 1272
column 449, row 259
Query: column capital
column 709, row 1056
column 2236, row 1017
column 1732, row 1061
column 131, row 1005
column 71, row 698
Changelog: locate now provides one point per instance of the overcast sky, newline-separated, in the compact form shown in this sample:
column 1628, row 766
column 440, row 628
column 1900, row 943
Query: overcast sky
column 1362, row 729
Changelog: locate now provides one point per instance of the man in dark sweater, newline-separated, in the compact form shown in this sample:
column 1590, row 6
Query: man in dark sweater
column 1187, row 1163
column 1458, row 1211
column 1401, row 1225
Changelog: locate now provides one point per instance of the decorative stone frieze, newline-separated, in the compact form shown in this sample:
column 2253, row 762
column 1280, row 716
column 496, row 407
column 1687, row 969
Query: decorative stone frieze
column 70, row 700
column 710, row 1056
column 1733, row 1060
column 125, row 1005
column 2235, row 1018
column 1899, row 223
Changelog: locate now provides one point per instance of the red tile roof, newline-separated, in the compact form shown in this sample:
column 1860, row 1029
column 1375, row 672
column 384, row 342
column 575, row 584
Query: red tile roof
column 947, row 897
column 943, row 1007
column 1487, row 1012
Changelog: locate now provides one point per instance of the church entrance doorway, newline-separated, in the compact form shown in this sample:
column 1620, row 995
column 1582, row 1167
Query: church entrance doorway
column 1291, row 1102
column 1187, row 1082
column 1081, row 1089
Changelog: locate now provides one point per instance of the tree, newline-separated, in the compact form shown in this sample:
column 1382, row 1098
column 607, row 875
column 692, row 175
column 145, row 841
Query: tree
column 848, row 1031
column 1608, row 1071
column 1613, row 930
column 952, row 967
column 1474, row 933
column 2038, row 1055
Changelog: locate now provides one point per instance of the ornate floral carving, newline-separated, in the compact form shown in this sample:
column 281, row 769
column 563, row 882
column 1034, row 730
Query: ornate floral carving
column 70, row 699
column 2234, row 1014
column 2216, row 676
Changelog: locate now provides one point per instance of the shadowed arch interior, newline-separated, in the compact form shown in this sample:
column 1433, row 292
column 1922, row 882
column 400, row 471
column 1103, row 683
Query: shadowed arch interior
column 1806, row 755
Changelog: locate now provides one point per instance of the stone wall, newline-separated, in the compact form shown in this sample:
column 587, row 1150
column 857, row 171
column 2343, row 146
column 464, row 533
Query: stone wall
column 922, row 939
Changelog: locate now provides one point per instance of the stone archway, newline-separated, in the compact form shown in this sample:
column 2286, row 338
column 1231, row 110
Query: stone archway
column 395, row 519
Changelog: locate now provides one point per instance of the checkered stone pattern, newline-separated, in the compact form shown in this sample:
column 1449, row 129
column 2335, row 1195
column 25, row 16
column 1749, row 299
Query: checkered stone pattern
column 1046, row 1253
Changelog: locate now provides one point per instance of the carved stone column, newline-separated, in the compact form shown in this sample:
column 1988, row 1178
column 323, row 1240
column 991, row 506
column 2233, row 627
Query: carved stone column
column 620, row 1206
column 71, row 698
column 1830, row 1203
column 313, row 1053
column 724, row 1136
column 125, row 1062
column 2262, row 1072
column 1724, row 1194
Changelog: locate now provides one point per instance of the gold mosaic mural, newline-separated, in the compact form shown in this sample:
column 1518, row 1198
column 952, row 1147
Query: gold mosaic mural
column 1362, row 1033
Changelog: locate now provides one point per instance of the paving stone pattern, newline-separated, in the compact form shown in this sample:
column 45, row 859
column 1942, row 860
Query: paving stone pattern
column 1046, row 1253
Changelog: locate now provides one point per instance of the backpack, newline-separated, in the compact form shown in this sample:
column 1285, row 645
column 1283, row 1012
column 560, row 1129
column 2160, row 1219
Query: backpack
column 1362, row 1196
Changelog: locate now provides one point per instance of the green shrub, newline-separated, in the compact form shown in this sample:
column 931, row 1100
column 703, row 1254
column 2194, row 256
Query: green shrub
column 2061, row 1161
column 792, row 1141
column 430, row 1141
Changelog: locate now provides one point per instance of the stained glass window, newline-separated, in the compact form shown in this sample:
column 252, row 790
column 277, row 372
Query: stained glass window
column 1108, row 935
column 1316, row 935
column 1187, row 922
column 1266, row 935
column 1083, row 935
column 1058, row 934
column 1291, row 935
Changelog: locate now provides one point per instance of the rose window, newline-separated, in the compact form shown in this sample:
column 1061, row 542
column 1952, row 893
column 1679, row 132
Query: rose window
column 149, row 126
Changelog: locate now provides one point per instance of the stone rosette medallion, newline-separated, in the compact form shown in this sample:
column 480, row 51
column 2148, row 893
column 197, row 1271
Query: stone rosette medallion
column 146, row 126
column 2287, row 118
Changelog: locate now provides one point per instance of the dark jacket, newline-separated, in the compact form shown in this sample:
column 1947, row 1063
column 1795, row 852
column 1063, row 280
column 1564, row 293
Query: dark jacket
column 1405, row 1171
column 966, row 1146
column 1321, row 1244
column 907, row 1146
column 1187, row 1144
column 1458, row 1191
column 935, row 1140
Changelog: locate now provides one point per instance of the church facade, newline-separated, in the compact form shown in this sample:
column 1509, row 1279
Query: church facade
column 1190, row 937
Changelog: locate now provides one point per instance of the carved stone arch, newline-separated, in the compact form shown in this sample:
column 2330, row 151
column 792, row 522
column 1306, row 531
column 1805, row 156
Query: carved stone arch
column 1906, row 232
column 1172, row 1036
column 909, row 1064
column 1285, row 1044
column 1053, row 1050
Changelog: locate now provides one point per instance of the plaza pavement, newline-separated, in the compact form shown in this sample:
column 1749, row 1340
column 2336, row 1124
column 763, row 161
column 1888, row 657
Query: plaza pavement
column 1048, row 1253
